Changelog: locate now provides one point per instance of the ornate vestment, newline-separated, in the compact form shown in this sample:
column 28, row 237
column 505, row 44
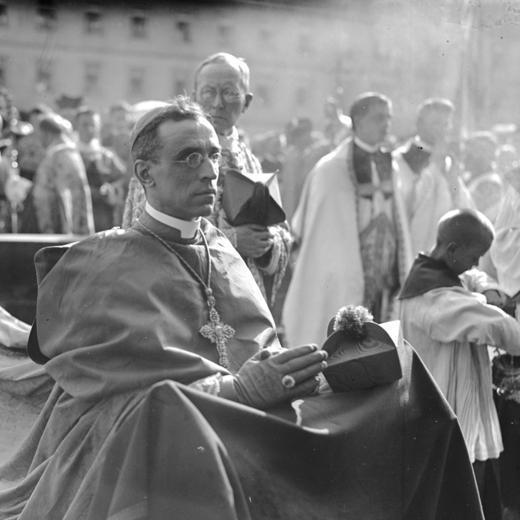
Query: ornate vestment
column 353, row 243
column 61, row 195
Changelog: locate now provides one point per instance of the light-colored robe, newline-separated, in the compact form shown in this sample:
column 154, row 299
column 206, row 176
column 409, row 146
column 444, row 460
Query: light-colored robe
column 427, row 197
column 450, row 328
column 61, row 193
column 329, row 271
column 505, row 250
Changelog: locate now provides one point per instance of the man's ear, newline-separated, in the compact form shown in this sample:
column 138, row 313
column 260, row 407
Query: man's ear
column 247, row 102
column 142, row 172
column 451, row 248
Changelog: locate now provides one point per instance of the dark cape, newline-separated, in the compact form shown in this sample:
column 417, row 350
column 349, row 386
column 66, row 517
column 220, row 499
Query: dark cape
column 427, row 274
column 121, row 436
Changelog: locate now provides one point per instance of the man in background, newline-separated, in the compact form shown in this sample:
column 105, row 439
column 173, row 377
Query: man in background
column 351, row 229
column 428, row 177
column 61, row 194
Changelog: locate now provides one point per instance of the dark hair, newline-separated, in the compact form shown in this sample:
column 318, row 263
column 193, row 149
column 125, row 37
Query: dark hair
column 145, row 142
column 52, row 124
column 362, row 104
column 84, row 111
column 39, row 110
column 464, row 227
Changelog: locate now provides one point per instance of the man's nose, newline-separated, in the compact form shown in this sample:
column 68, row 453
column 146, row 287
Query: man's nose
column 217, row 100
column 208, row 169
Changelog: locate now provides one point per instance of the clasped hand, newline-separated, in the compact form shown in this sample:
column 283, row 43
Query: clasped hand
column 253, row 241
column 270, row 378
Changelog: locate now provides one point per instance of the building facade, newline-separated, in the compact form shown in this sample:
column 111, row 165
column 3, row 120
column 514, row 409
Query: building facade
column 300, row 52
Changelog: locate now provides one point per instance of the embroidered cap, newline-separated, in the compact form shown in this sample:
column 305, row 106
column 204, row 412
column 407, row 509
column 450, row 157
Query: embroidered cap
column 361, row 353
column 156, row 108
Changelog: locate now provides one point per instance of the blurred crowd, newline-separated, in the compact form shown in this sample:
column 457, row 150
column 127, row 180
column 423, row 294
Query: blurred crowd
column 66, row 170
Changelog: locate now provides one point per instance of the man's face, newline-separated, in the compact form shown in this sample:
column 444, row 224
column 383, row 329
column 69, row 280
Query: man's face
column 179, row 190
column 434, row 126
column 120, row 121
column 464, row 257
column 88, row 127
column 222, row 95
column 373, row 127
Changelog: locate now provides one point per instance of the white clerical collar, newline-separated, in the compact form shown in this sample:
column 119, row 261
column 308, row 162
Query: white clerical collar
column 370, row 148
column 187, row 228
column 421, row 144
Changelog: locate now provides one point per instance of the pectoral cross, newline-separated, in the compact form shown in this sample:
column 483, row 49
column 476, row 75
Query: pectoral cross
column 216, row 330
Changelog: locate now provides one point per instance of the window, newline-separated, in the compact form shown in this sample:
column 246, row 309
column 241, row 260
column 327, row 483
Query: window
column 225, row 34
column 92, row 76
column 184, row 30
column 138, row 26
column 46, row 15
column 136, row 82
column 4, row 20
column 93, row 20
column 43, row 75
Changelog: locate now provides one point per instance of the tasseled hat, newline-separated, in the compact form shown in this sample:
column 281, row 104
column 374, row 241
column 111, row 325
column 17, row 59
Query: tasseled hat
column 361, row 353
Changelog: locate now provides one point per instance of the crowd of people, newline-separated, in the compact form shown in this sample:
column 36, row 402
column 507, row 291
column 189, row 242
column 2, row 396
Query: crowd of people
column 424, row 230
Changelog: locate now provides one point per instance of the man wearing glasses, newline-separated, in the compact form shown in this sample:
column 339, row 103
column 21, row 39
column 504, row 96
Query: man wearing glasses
column 222, row 89
column 124, row 316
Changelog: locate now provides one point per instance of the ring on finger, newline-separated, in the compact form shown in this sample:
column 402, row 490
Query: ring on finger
column 288, row 381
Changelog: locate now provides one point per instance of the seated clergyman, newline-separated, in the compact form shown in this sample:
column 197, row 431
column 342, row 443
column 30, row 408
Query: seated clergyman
column 167, row 299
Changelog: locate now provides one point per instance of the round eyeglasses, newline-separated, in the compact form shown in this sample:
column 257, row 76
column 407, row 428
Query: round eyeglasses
column 195, row 159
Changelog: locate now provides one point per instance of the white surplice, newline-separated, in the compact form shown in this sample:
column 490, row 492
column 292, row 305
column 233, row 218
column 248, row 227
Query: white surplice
column 427, row 197
column 451, row 327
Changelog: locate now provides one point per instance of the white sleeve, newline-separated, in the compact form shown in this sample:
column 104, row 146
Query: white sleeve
column 457, row 315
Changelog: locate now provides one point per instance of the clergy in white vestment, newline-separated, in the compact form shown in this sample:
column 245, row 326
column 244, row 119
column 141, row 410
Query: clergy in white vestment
column 484, row 180
column 351, row 229
column 427, row 175
column 451, row 327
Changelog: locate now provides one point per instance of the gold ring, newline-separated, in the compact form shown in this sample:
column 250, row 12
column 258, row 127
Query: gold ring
column 288, row 381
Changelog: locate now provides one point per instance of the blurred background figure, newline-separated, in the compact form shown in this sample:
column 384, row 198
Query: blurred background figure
column 30, row 149
column 61, row 194
column 67, row 106
column 270, row 148
column 13, row 187
column 507, row 160
column 428, row 176
column 480, row 170
column 338, row 125
column 106, row 173
column 304, row 148
column 116, row 130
